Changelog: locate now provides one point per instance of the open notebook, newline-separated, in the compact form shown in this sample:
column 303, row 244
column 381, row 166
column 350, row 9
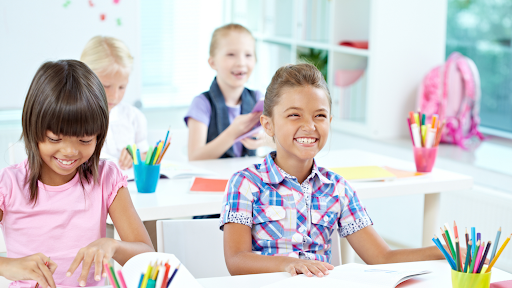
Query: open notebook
column 354, row 276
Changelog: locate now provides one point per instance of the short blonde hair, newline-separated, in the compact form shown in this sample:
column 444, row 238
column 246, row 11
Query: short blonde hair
column 223, row 31
column 106, row 55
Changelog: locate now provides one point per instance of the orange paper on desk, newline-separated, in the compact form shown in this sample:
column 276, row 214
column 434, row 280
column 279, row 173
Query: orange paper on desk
column 364, row 173
column 209, row 185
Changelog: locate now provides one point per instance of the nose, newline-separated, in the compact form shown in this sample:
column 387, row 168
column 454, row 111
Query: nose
column 69, row 150
column 308, row 125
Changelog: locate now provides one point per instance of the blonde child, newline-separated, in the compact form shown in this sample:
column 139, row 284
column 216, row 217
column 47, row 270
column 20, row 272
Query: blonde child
column 288, row 207
column 110, row 59
column 54, row 205
column 216, row 118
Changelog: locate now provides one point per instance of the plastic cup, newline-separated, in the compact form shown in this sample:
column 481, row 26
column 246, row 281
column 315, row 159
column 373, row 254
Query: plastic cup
column 146, row 177
column 471, row 280
column 425, row 158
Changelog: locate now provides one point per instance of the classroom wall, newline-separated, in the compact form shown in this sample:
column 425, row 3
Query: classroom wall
column 34, row 31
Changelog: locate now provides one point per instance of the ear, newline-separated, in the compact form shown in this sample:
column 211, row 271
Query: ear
column 330, row 119
column 266, row 123
column 212, row 63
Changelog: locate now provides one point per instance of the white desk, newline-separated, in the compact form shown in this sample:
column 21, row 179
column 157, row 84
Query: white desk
column 439, row 278
column 173, row 199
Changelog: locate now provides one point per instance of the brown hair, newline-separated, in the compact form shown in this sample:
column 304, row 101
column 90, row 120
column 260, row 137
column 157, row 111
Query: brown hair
column 222, row 32
column 66, row 98
column 292, row 76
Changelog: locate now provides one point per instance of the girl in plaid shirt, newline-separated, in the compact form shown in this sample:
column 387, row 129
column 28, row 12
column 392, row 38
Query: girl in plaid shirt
column 288, row 207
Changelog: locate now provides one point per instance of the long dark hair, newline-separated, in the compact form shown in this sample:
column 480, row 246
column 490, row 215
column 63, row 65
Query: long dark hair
column 66, row 98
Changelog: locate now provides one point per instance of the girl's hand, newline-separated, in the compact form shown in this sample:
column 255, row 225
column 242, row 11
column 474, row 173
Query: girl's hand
column 243, row 123
column 98, row 252
column 252, row 144
column 31, row 268
column 125, row 160
column 308, row 268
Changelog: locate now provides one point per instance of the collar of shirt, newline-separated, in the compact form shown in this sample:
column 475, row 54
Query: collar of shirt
column 273, row 174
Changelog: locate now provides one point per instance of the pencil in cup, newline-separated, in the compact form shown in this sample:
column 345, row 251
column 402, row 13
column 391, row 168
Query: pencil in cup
column 498, row 254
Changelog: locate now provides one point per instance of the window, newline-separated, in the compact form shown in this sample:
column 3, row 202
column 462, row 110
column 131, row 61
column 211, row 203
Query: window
column 482, row 31
column 175, row 40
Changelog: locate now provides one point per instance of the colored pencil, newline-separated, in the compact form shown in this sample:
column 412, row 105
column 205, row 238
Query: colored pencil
column 473, row 238
column 129, row 150
column 139, row 160
column 166, row 275
column 478, row 257
column 449, row 241
column 410, row 131
column 498, row 254
column 114, row 276
column 468, row 256
column 146, row 276
column 121, row 279
column 140, row 281
column 173, row 274
column 45, row 264
column 163, row 153
column 496, row 243
column 445, row 253
column 484, row 257
column 160, row 277
column 457, row 251
column 440, row 133
column 455, row 229
column 472, row 266
column 137, row 157
column 149, row 155
column 468, row 251
column 478, row 236
column 167, row 135
column 106, row 266
column 158, row 151
column 445, row 240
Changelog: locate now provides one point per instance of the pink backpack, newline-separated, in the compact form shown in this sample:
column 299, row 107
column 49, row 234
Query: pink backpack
column 452, row 91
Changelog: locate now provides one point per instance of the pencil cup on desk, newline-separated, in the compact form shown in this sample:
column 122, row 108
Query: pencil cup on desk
column 425, row 158
column 146, row 177
column 471, row 280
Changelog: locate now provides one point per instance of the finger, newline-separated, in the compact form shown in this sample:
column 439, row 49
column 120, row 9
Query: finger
column 304, row 269
column 39, row 278
column 86, row 267
column 98, row 266
column 78, row 258
column 314, row 268
column 47, row 274
column 52, row 265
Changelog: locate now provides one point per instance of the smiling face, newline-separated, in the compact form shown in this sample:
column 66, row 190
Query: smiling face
column 62, row 155
column 115, row 86
column 234, row 59
column 299, row 124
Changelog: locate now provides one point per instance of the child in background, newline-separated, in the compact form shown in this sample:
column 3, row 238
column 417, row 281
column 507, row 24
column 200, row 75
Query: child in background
column 287, row 206
column 216, row 118
column 110, row 59
column 54, row 205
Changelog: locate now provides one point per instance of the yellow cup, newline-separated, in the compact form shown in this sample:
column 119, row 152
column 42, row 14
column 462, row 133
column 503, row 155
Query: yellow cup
column 471, row 280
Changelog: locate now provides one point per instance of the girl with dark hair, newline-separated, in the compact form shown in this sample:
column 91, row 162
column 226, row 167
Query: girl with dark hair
column 55, row 203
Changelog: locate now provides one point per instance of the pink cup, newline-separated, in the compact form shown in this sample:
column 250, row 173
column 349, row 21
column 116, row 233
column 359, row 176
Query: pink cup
column 425, row 158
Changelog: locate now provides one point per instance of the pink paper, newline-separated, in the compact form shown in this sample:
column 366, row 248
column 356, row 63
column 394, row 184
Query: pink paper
column 502, row 284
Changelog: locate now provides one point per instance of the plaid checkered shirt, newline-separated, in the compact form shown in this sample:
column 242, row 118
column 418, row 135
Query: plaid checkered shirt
column 288, row 218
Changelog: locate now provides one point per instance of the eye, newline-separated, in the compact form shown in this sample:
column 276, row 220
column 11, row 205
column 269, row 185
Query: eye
column 106, row 86
column 321, row 115
column 231, row 54
column 86, row 141
column 121, row 87
column 248, row 55
column 293, row 115
column 52, row 140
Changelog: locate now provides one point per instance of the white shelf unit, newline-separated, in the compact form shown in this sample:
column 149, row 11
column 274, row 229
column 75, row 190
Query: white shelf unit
column 406, row 39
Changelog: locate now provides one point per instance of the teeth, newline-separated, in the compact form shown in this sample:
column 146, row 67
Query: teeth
column 306, row 140
column 66, row 162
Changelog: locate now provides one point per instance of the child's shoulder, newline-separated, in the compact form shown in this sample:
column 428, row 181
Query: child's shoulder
column 107, row 168
column 15, row 172
column 251, row 174
column 334, row 177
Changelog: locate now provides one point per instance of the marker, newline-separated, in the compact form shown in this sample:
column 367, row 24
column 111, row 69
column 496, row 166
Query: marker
column 431, row 133
column 415, row 130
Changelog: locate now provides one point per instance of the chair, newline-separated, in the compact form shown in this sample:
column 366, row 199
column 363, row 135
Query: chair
column 197, row 243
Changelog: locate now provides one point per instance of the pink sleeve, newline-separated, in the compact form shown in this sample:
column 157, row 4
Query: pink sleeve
column 5, row 188
column 113, row 179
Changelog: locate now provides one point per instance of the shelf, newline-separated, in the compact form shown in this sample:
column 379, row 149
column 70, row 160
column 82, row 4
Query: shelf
column 314, row 45
column 274, row 39
column 350, row 50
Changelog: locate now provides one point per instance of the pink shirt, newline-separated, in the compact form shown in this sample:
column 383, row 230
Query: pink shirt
column 65, row 218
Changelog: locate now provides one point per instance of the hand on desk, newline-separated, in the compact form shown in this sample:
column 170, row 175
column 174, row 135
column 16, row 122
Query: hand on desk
column 30, row 268
column 125, row 160
column 308, row 268
column 99, row 252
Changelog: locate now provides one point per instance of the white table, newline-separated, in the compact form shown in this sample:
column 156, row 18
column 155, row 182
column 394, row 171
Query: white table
column 439, row 278
column 172, row 198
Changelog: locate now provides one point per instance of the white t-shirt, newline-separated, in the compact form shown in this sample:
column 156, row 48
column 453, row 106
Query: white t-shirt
column 126, row 126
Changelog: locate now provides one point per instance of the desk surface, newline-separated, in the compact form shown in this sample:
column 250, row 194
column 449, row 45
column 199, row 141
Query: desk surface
column 439, row 278
column 173, row 199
